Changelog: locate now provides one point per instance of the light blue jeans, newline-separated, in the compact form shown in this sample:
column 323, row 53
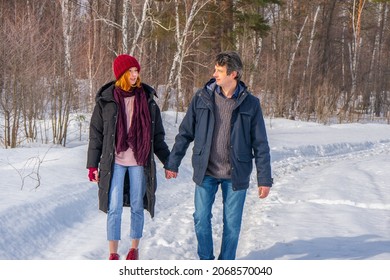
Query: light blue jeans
column 233, row 205
column 115, row 208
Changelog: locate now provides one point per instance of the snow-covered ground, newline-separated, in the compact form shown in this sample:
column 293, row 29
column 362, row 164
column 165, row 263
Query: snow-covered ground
column 330, row 201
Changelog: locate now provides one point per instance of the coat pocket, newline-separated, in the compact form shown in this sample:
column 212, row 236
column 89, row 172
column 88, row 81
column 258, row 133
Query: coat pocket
column 197, row 156
column 244, row 166
column 244, row 157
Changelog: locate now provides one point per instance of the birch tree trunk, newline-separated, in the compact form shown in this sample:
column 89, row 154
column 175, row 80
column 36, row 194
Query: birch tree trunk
column 292, row 56
column 294, row 94
column 67, row 18
column 374, row 61
column 64, row 92
column 307, row 97
column 354, row 50
column 90, row 53
column 256, row 61
column 125, row 29
column 310, row 44
column 141, row 25
column 377, row 80
column 181, row 37
column 376, row 50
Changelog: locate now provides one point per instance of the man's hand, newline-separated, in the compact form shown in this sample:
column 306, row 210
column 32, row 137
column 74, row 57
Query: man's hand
column 263, row 191
column 170, row 174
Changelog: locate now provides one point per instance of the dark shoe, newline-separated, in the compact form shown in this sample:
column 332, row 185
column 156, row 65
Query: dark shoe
column 133, row 254
column 114, row 256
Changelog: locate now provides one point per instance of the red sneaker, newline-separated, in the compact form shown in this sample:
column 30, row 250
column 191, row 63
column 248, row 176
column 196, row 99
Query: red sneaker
column 133, row 254
column 114, row 256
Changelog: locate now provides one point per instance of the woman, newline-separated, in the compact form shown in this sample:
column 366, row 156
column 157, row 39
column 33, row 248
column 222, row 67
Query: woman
column 126, row 131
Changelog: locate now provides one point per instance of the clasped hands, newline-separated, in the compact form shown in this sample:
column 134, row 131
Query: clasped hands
column 170, row 174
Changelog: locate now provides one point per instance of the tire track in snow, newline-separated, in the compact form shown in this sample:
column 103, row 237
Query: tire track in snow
column 286, row 166
column 55, row 213
column 374, row 206
column 292, row 160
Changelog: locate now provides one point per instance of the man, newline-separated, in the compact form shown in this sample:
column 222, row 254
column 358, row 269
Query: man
column 225, row 122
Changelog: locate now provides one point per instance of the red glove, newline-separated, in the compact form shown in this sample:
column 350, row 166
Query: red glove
column 91, row 174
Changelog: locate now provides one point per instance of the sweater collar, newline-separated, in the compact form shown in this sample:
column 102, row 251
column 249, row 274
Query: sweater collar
column 211, row 86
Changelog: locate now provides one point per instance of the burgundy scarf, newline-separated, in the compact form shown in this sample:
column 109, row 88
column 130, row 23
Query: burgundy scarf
column 138, row 136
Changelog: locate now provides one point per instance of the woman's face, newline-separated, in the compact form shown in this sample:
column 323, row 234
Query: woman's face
column 133, row 75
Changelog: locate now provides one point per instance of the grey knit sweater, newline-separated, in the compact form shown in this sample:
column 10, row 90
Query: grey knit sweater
column 219, row 163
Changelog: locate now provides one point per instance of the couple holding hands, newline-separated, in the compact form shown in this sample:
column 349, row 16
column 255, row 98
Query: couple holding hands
column 225, row 123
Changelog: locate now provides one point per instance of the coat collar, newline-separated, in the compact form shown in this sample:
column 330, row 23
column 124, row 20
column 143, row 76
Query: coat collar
column 105, row 93
column 210, row 88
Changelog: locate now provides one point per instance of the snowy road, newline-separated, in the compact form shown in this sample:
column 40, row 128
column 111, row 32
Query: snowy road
column 329, row 207
column 331, row 200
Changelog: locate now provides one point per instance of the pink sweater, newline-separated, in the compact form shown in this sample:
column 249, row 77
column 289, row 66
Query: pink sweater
column 127, row 158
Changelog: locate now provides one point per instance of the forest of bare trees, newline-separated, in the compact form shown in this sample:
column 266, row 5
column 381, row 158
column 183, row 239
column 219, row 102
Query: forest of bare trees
column 318, row 60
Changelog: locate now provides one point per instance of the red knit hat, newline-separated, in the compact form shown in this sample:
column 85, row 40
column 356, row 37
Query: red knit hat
column 122, row 63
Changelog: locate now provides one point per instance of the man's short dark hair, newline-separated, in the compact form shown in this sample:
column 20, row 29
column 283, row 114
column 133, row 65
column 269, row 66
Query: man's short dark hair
column 232, row 61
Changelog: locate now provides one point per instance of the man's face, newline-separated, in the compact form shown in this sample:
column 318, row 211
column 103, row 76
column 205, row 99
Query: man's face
column 221, row 76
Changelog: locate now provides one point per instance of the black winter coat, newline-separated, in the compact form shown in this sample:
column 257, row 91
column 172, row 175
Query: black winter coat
column 248, row 138
column 101, row 148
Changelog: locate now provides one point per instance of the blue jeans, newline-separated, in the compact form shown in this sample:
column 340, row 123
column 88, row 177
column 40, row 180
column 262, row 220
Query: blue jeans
column 115, row 206
column 233, row 205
